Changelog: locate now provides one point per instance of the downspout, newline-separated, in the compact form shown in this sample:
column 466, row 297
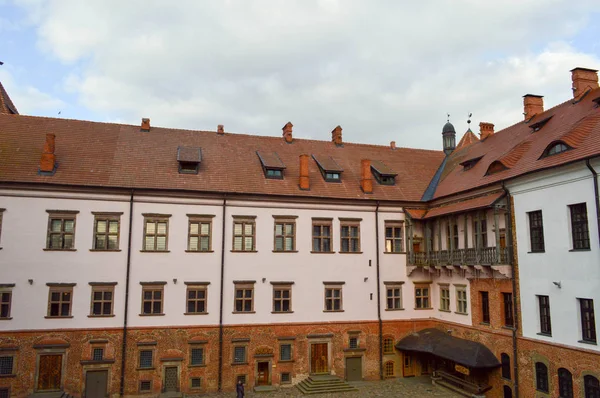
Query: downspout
column 220, row 382
column 378, row 292
column 595, row 175
column 124, row 345
column 511, row 253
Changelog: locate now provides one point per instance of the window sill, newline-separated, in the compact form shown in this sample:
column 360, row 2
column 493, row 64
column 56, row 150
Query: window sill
column 105, row 250
column 394, row 309
column 350, row 252
column 239, row 363
column 101, row 316
column 544, row 334
column 152, row 368
column 282, row 312
column 155, row 251
column 58, row 317
column 285, row 251
column 59, row 250
column 244, row 251
column 285, row 361
column 152, row 314
column 313, row 252
column 195, row 313
column 587, row 342
column 199, row 251
column 6, row 319
column 333, row 310
column 461, row 313
column 243, row 312
column 101, row 362
column 394, row 252
column 354, row 349
column 507, row 327
column 484, row 323
column 7, row 376
column 197, row 366
column 580, row 250
column 536, row 251
column 439, row 309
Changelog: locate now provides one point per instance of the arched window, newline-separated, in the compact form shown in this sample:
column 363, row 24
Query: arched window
column 389, row 369
column 505, row 359
column 541, row 377
column 555, row 148
column 388, row 345
column 565, row 383
column 591, row 386
column 507, row 392
column 495, row 167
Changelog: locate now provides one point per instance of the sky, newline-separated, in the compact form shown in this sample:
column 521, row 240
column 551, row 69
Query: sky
column 384, row 70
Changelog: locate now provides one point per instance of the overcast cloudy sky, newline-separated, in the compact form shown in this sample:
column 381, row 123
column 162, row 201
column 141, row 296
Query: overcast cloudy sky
column 383, row 70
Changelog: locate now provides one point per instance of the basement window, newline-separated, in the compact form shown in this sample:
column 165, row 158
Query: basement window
column 189, row 159
column 383, row 174
column 329, row 169
column 271, row 164
column 469, row 164
column 555, row 148
column 537, row 126
column 495, row 167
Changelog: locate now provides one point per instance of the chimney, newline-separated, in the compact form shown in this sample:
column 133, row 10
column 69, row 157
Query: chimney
column 393, row 144
column 583, row 80
column 486, row 130
column 48, row 161
column 304, row 181
column 336, row 136
column 287, row 132
column 220, row 129
column 532, row 105
column 366, row 179
column 145, row 124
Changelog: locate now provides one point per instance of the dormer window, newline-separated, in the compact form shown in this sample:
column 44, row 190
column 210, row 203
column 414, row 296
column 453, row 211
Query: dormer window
column 189, row 159
column 469, row 164
column 330, row 170
column 383, row 174
column 537, row 126
column 495, row 167
column 555, row 148
column 272, row 165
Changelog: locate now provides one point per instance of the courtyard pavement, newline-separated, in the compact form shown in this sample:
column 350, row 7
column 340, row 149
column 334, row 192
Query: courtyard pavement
column 413, row 387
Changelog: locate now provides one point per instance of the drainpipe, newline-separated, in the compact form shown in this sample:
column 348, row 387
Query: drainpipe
column 378, row 292
column 220, row 382
column 124, row 345
column 595, row 175
column 511, row 254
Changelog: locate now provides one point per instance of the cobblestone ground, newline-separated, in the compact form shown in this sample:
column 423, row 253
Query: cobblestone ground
column 414, row 387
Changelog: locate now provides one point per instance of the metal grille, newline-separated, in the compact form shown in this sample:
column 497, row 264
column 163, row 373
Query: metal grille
column 286, row 378
column 6, row 365
column 241, row 378
column 145, row 385
column 197, row 356
column 285, row 352
column 196, row 382
column 4, row 393
column 353, row 342
column 239, row 354
column 98, row 354
column 171, row 383
column 146, row 359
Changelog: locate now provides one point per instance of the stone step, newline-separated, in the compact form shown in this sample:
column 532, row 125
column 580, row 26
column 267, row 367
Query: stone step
column 324, row 384
column 260, row 389
column 451, row 387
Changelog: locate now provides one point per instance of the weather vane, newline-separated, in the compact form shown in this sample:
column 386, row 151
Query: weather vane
column 469, row 119
column 448, row 119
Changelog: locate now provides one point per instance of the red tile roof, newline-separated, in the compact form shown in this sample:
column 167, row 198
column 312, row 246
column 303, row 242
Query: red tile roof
column 465, row 205
column 467, row 139
column 6, row 104
column 416, row 214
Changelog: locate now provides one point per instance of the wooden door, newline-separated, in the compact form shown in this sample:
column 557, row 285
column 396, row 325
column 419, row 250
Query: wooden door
column 263, row 374
column 49, row 372
column 408, row 370
column 416, row 247
column 318, row 358
column 171, row 379
column 96, row 384
column 354, row 369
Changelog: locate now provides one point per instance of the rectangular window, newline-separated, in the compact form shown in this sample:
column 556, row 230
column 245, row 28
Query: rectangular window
column 353, row 343
column 1, row 213
column 452, row 235
column 152, row 300
column 461, row 299
column 483, row 224
column 350, row 237
column 156, row 231
column 285, row 235
column 422, row 297
column 485, row 307
column 545, row 324
column 98, row 354
column 145, row 385
column 444, row 298
column 243, row 235
column 196, row 300
column 507, row 300
column 286, row 378
column 61, row 230
column 106, row 231
column 59, row 301
column 536, row 231
column 285, row 352
column 240, row 379
column 6, row 365
column 579, row 227
column 5, row 304
column 146, row 359
column 244, row 297
column 199, row 234
column 102, row 300
column 393, row 237
column 333, row 298
column 196, row 382
column 282, row 298
column 388, row 345
column 197, row 356
column 239, row 354
column 321, row 236
column 394, row 297
column 588, row 322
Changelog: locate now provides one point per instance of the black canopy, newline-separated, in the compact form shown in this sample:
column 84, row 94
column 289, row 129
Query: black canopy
column 443, row 345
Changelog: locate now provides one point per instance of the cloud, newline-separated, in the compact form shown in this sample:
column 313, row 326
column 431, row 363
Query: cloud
column 28, row 99
column 383, row 70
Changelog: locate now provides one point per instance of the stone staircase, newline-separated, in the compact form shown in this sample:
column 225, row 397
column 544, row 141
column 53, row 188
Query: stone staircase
column 57, row 394
column 323, row 384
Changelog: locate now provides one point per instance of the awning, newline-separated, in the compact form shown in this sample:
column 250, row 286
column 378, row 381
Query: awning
column 435, row 342
column 416, row 214
column 465, row 205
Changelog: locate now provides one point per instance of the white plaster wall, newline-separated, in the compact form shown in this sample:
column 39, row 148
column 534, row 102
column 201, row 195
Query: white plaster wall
column 578, row 272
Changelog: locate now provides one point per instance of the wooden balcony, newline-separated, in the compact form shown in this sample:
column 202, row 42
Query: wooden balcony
column 483, row 256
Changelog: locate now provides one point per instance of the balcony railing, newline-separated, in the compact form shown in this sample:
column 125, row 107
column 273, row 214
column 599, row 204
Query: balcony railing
column 483, row 256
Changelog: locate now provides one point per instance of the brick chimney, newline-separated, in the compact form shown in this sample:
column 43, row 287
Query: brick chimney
column 393, row 144
column 486, row 130
column 532, row 105
column 220, row 129
column 366, row 179
column 145, row 124
column 304, row 181
column 583, row 80
column 336, row 136
column 287, row 132
column 48, row 161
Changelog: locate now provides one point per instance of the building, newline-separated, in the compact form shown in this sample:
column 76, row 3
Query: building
column 139, row 259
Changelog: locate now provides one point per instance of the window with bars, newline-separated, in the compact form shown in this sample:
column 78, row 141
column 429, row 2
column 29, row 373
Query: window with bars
column 536, row 231
column 59, row 301
column 98, row 354
column 350, row 238
column 282, row 298
column 244, row 298
column 199, row 235
column 145, row 385
column 565, row 383
column 286, row 378
column 5, row 304
column 422, row 297
column 285, row 236
column 321, row 236
column 102, row 300
column 579, row 227
column 545, row 323
column 244, row 235
column 196, row 382
column 394, row 297
column 6, row 365
column 541, row 377
column 61, row 231
column 505, row 361
column 389, row 369
column 196, row 300
column 197, row 356
column 240, row 379
column 4, row 393
column 353, row 343
column 239, row 354
column 444, row 298
column 393, row 237
column 588, row 322
column 461, row 300
column 507, row 300
column 156, row 231
column 388, row 345
column 106, row 231
column 146, row 359
column 333, row 298
column 485, row 307
column 285, row 352
column 152, row 300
